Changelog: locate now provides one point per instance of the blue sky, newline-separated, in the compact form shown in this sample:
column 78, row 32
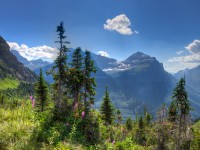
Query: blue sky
column 166, row 29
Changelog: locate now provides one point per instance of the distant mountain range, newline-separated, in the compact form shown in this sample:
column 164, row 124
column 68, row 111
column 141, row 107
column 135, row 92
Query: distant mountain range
column 138, row 81
column 192, row 77
column 33, row 64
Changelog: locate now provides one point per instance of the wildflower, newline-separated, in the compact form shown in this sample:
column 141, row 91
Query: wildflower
column 113, row 142
column 31, row 97
column 83, row 114
column 67, row 124
column 76, row 105
column 33, row 103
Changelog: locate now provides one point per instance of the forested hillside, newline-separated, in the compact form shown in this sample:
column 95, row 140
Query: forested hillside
column 15, row 79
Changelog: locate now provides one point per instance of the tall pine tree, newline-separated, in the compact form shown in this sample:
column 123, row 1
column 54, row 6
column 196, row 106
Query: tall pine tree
column 41, row 91
column 60, row 68
column 181, row 99
column 76, row 76
column 129, row 124
column 89, row 81
column 182, row 105
column 107, row 109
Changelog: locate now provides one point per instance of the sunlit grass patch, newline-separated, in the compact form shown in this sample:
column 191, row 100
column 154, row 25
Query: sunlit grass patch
column 8, row 83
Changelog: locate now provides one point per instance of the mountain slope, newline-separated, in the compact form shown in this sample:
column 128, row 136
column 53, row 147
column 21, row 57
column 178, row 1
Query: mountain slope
column 144, row 79
column 104, row 62
column 181, row 73
column 192, row 77
column 11, row 67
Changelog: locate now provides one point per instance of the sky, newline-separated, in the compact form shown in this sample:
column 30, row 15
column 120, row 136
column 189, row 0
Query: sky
column 166, row 29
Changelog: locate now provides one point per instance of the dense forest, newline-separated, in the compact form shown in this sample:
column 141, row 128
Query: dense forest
column 62, row 115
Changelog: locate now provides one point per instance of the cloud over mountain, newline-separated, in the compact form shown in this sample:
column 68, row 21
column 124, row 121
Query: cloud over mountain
column 194, row 47
column 31, row 53
column 187, row 61
column 103, row 53
column 121, row 24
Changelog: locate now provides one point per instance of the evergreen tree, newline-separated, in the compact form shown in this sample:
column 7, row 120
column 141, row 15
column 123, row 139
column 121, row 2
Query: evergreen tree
column 77, row 59
column 182, row 104
column 147, row 117
column 60, row 68
column 89, row 82
column 140, row 123
column 119, row 116
column 107, row 109
column 76, row 76
column 129, row 124
column 41, row 91
column 181, row 100
column 140, row 132
column 172, row 112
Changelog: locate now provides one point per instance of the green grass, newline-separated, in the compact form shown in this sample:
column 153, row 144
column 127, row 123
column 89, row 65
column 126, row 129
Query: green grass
column 19, row 127
column 196, row 126
column 16, row 126
column 8, row 83
column 196, row 135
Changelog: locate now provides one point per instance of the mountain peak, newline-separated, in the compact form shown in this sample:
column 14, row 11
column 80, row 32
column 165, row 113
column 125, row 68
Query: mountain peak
column 139, row 57
column 139, row 53
column 3, row 44
column 2, row 39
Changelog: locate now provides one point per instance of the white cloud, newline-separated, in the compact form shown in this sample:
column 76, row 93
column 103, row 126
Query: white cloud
column 103, row 53
column 31, row 53
column 180, row 63
column 179, row 52
column 121, row 24
column 187, row 61
column 177, row 66
column 194, row 58
column 194, row 47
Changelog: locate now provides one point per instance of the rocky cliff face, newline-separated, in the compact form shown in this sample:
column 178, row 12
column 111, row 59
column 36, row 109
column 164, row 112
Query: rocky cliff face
column 12, row 66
